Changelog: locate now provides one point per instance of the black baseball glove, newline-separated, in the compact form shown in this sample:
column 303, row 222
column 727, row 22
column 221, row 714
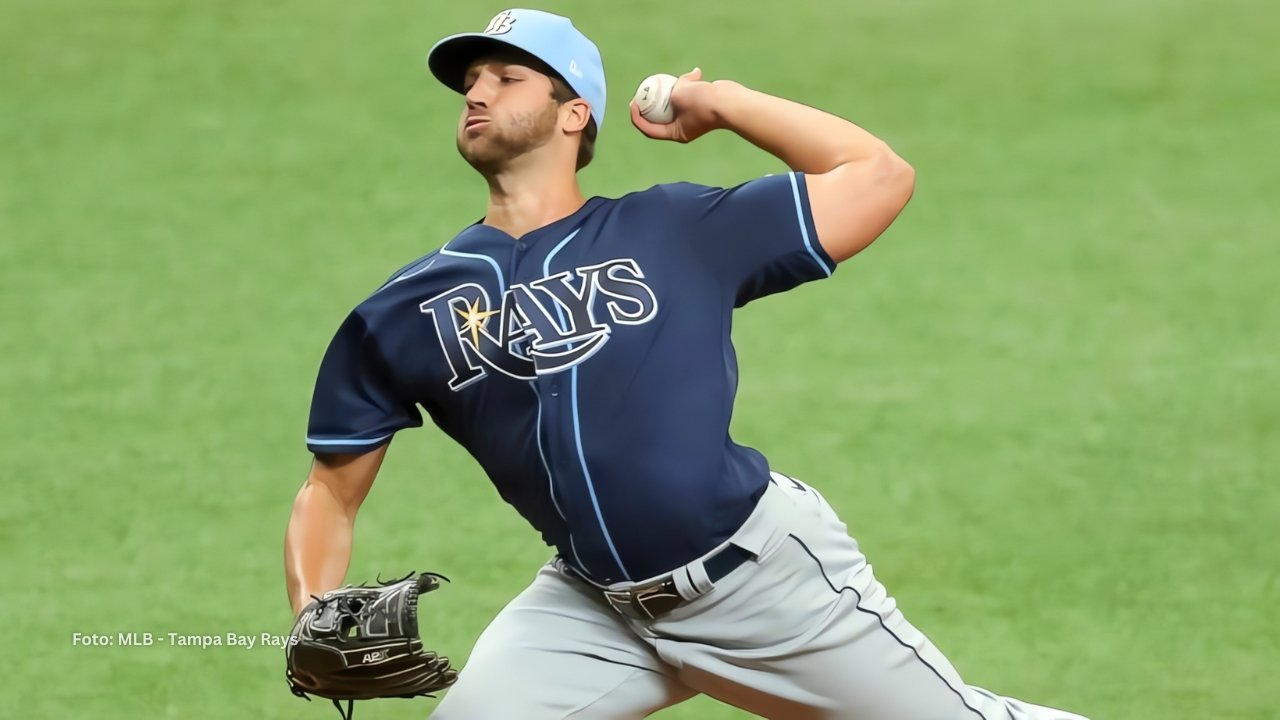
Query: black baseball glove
column 359, row 643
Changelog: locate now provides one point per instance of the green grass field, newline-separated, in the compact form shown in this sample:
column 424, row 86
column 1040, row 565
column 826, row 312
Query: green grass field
column 1047, row 400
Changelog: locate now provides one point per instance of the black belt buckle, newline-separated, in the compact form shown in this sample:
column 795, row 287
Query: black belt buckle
column 646, row 603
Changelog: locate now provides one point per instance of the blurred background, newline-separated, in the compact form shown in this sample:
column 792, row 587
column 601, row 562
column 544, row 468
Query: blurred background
column 1047, row 401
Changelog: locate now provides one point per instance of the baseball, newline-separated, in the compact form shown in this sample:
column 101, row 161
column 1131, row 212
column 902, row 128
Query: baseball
column 653, row 98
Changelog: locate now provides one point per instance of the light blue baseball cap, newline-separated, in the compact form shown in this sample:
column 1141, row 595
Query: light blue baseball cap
column 550, row 38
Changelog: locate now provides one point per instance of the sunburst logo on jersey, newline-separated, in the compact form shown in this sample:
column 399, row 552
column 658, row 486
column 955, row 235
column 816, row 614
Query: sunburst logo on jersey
column 474, row 319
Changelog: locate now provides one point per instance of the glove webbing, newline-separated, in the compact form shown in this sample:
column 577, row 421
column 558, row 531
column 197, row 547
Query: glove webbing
column 351, row 704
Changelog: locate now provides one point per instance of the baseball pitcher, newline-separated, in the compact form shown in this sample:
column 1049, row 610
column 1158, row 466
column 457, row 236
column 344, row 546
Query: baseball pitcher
column 579, row 348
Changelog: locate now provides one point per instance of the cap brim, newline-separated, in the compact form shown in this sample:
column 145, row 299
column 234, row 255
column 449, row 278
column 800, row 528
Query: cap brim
column 450, row 57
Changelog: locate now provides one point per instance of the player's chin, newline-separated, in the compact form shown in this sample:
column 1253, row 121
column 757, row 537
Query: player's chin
column 468, row 144
column 484, row 156
column 477, row 137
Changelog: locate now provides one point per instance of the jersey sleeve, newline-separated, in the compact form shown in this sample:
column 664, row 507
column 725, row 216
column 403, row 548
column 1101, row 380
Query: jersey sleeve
column 356, row 406
column 760, row 234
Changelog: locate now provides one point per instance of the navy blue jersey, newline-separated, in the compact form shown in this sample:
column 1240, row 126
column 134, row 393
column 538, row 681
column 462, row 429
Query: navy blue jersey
column 587, row 365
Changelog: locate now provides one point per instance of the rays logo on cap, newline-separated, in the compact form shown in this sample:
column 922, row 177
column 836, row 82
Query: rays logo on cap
column 501, row 23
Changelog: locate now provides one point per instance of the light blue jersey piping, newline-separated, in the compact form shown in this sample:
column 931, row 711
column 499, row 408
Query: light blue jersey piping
column 804, row 228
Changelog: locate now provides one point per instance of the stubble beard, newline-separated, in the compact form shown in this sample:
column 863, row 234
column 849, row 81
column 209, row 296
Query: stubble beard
column 494, row 149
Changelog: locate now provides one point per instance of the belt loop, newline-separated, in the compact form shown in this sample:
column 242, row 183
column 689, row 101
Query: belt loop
column 698, row 573
column 691, row 580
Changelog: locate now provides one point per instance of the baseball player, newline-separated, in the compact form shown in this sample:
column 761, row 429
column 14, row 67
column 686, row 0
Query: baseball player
column 579, row 348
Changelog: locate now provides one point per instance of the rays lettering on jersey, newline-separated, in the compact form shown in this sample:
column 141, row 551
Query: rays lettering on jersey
column 545, row 326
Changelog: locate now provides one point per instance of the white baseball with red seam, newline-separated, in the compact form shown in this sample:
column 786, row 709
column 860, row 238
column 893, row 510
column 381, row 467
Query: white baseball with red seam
column 653, row 98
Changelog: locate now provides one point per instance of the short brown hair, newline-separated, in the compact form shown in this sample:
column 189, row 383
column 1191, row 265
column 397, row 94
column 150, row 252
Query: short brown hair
column 562, row 93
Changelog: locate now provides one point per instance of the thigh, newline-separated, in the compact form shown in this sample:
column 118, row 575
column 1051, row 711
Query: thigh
column 554, row 652
column 809, row 633
column 860, row 658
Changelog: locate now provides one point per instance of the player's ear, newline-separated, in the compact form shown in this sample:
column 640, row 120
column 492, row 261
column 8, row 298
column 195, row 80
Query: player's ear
column 575, row 115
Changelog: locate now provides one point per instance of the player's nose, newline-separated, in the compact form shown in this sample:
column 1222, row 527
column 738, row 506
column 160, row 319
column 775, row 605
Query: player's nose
column 478, row 94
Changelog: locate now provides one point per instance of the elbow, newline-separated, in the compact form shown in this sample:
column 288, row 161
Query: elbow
column 856, row 202
column 907, row 176
column 896, row 175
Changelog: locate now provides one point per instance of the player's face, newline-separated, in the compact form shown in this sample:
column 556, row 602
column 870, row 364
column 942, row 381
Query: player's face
column 509, row 111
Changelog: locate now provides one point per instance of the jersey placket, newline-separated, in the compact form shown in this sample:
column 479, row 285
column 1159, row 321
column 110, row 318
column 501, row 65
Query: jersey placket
column 560, row 420
column 546, row 409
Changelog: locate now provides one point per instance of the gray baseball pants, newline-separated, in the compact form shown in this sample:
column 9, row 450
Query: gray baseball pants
column 804, row 632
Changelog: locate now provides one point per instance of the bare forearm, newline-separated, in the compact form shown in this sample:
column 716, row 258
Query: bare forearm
column 805, row 138
column 317, row 546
